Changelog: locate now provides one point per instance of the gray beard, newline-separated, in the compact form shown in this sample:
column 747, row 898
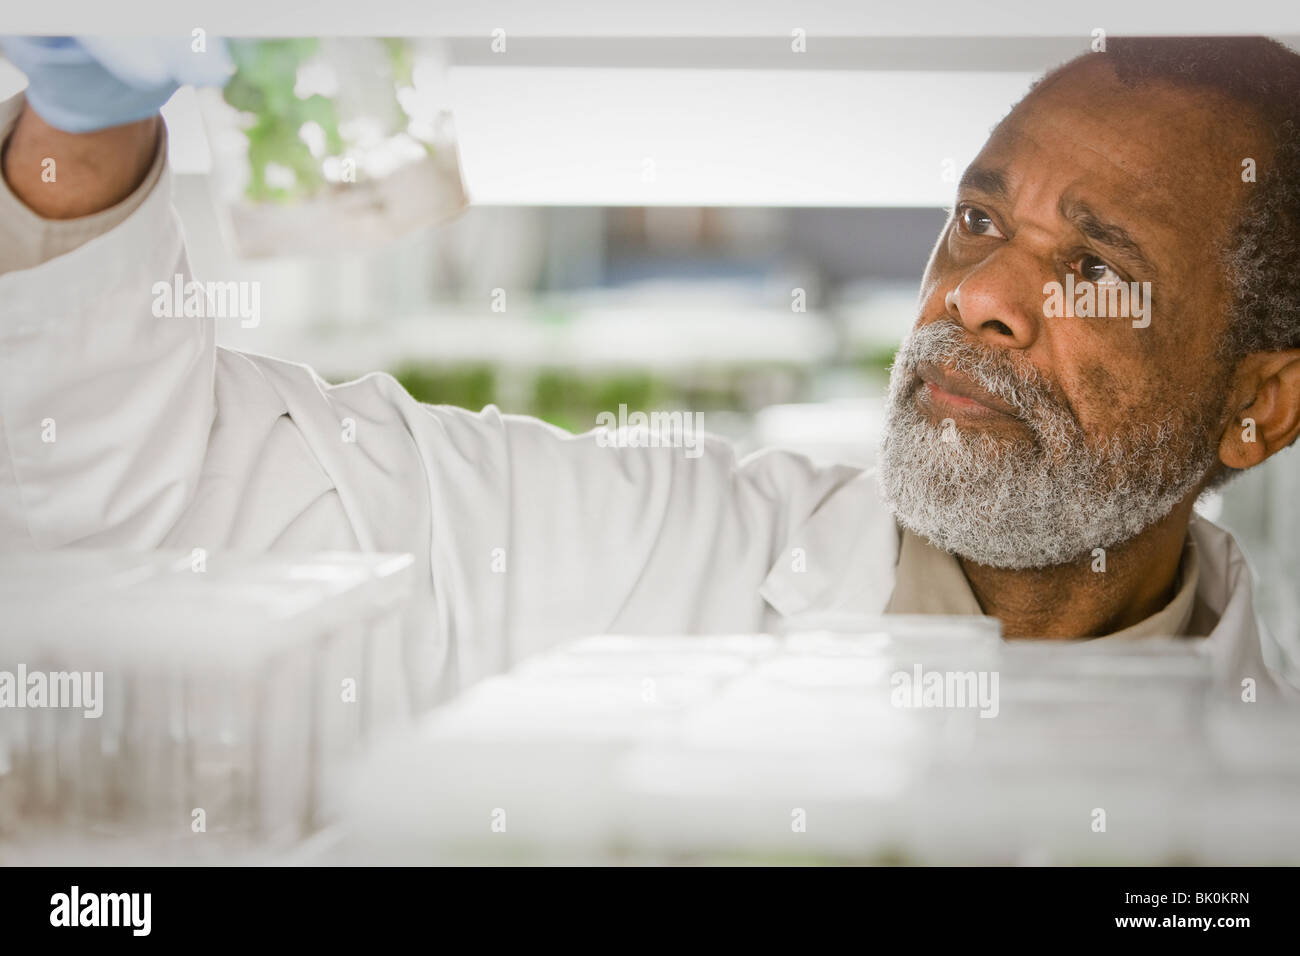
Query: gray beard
column 1047, row 499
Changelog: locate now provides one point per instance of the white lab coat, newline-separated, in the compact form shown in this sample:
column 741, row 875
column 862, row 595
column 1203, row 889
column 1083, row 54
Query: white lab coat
column 164, row 440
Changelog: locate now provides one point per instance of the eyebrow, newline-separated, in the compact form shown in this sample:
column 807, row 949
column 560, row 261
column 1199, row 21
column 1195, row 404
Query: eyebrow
column 1109, row 234
column 993, row 183
column 990, row 181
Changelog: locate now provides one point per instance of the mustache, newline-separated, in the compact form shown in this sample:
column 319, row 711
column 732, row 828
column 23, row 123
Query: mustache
column 947, row 345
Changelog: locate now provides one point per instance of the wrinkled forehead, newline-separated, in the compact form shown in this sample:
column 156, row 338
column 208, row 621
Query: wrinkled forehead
column 1171, row 156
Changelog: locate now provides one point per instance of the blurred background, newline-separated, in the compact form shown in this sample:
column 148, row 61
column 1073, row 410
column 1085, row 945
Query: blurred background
column 730, row 225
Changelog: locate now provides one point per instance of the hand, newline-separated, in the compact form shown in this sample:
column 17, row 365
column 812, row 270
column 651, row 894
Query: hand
column 83, row 84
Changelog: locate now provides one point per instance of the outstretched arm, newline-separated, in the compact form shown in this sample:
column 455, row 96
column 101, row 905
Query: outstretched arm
column 107, row 407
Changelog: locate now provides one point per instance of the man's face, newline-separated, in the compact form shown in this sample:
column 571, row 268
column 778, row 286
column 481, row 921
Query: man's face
column 1021, row 440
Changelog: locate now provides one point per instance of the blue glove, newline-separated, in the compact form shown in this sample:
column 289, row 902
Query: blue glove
column 88, row 83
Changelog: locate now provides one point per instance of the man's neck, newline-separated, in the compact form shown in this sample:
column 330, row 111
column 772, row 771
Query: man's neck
column 1080, row 599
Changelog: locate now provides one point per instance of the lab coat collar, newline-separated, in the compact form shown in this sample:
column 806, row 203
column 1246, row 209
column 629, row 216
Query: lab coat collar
column 841, row 560
column 1225, row 585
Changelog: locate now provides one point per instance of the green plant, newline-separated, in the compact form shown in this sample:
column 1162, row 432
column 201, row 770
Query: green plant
column 263, row 87
column 266, row 72
column 470, row 386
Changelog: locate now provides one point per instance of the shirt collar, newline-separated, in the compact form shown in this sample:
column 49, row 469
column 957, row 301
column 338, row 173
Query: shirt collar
column 930, row 581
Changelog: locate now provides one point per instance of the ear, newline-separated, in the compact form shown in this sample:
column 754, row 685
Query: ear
column 1266, row 399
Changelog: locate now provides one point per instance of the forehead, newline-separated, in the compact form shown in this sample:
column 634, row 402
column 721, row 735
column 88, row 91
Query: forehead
column 1167, row 159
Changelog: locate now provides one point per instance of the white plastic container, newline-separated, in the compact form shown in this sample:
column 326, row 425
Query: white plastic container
column 758, row 748
column 231, row 690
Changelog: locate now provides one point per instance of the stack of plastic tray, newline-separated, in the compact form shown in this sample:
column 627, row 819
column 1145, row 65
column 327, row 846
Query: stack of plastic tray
column 823, row 746
column 220, row 694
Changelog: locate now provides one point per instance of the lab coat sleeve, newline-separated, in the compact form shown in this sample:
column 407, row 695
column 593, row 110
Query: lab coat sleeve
column 525, row 535
column 610, row 538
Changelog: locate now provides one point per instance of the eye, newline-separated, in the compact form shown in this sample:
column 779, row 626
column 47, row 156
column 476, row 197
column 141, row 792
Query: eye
column 1094, row 269
column 977, row 222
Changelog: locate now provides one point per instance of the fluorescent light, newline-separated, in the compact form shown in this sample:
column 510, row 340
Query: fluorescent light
column 722, row 137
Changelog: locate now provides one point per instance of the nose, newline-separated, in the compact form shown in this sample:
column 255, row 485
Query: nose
column 999, row 301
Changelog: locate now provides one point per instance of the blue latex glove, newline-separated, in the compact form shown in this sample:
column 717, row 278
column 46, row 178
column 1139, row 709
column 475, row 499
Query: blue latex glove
column 79, row 84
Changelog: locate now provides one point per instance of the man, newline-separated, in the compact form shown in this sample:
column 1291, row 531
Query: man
column 1038, row 466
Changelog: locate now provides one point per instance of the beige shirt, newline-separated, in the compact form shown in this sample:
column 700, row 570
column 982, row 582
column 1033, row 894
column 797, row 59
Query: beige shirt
column 931, row 581
column 27, row 240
